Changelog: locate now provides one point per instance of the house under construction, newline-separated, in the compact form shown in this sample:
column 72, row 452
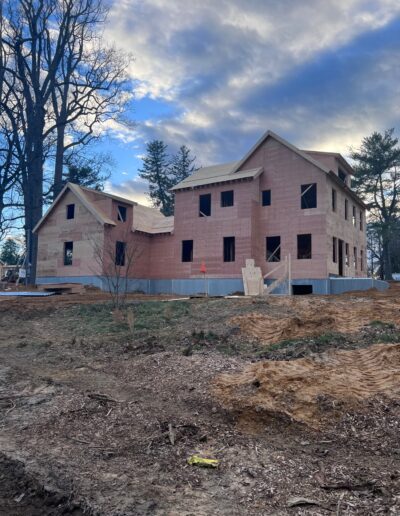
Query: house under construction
column 277, row 203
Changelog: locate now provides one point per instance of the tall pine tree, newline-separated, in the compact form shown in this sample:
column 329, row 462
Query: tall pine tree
column 155, row 170
column 182, row 165
column 377, row 181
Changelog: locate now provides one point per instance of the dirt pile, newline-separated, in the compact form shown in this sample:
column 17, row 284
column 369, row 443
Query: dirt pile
column 315, row 316
column 313, row 391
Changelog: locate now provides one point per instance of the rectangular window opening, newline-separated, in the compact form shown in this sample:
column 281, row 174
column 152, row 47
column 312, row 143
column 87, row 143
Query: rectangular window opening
column 354, row 216
column 68, row 252
column 334, row 249
column 334, row 195
column 227, row 198
column 187, row 250
column 121, row 213
column 205, row 205
column 70, row 211
column 304, row 247
column 308, row 196
column 355, row 257
column 347, row 255
column 229, row 249
column 342, row 175
column 346, row 209
column 120, row 250
column 273, row 246
column 361, row 259
column 266, row 197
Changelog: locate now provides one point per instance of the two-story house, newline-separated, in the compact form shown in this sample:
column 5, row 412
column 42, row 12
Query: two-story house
column 277, row 201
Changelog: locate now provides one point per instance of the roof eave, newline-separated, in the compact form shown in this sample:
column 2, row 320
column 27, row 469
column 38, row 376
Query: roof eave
column 227, row 179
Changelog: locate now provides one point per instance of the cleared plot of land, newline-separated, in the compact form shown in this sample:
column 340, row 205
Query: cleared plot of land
column 100, row 410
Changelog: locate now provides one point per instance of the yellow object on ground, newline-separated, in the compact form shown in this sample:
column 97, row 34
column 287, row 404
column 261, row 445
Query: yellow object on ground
column 195, row 460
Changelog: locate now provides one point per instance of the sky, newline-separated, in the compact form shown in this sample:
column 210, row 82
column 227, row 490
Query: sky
column 216, row 74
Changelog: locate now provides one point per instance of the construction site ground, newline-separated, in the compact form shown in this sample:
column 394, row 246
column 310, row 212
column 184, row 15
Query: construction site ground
column 297, row 398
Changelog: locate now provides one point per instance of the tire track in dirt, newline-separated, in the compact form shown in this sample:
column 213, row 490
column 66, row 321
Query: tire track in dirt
column 317, row 316
column 313, row 391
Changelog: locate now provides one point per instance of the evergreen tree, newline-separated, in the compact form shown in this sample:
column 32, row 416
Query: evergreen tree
column 9, row 252
column 377, row 181
column 155, row 170
column 85, row 176
column 182, row 165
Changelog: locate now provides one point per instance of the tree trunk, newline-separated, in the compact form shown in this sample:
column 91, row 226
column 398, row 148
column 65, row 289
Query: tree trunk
column 33, row 200
column 387, row 258
column 33, row 190
column 59, row 162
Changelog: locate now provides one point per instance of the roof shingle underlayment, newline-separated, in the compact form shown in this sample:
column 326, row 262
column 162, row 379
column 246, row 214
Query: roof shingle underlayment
column 217, row 174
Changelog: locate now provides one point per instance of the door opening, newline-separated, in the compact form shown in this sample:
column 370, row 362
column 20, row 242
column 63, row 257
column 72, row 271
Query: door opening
column 340, row 257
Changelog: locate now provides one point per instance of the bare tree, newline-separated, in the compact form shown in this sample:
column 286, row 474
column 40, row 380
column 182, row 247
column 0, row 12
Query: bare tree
column 9, row 165
column 115, row 261
column 90, row 84
column 58, row 77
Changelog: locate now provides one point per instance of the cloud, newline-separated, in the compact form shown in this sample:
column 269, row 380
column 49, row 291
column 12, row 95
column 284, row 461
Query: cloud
column 133, row 189
column 122, row 132
column 235, row 68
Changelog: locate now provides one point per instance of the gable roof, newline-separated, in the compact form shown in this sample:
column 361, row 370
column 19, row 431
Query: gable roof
column 307, row 156
column 232, row 171
column 217, row 174
column 271, row 134
column 101, row 217
column 145, row 219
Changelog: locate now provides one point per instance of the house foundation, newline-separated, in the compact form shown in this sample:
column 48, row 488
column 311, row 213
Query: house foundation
column 225, row 286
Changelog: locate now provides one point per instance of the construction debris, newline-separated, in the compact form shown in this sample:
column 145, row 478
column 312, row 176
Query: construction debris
column 195, row 460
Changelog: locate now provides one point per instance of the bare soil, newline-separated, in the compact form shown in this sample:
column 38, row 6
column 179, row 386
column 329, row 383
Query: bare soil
column 101, row 409
column 314, row 391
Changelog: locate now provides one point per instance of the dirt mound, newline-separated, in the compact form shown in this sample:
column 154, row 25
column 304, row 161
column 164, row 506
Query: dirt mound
column 315, row 316
column 313, row 391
